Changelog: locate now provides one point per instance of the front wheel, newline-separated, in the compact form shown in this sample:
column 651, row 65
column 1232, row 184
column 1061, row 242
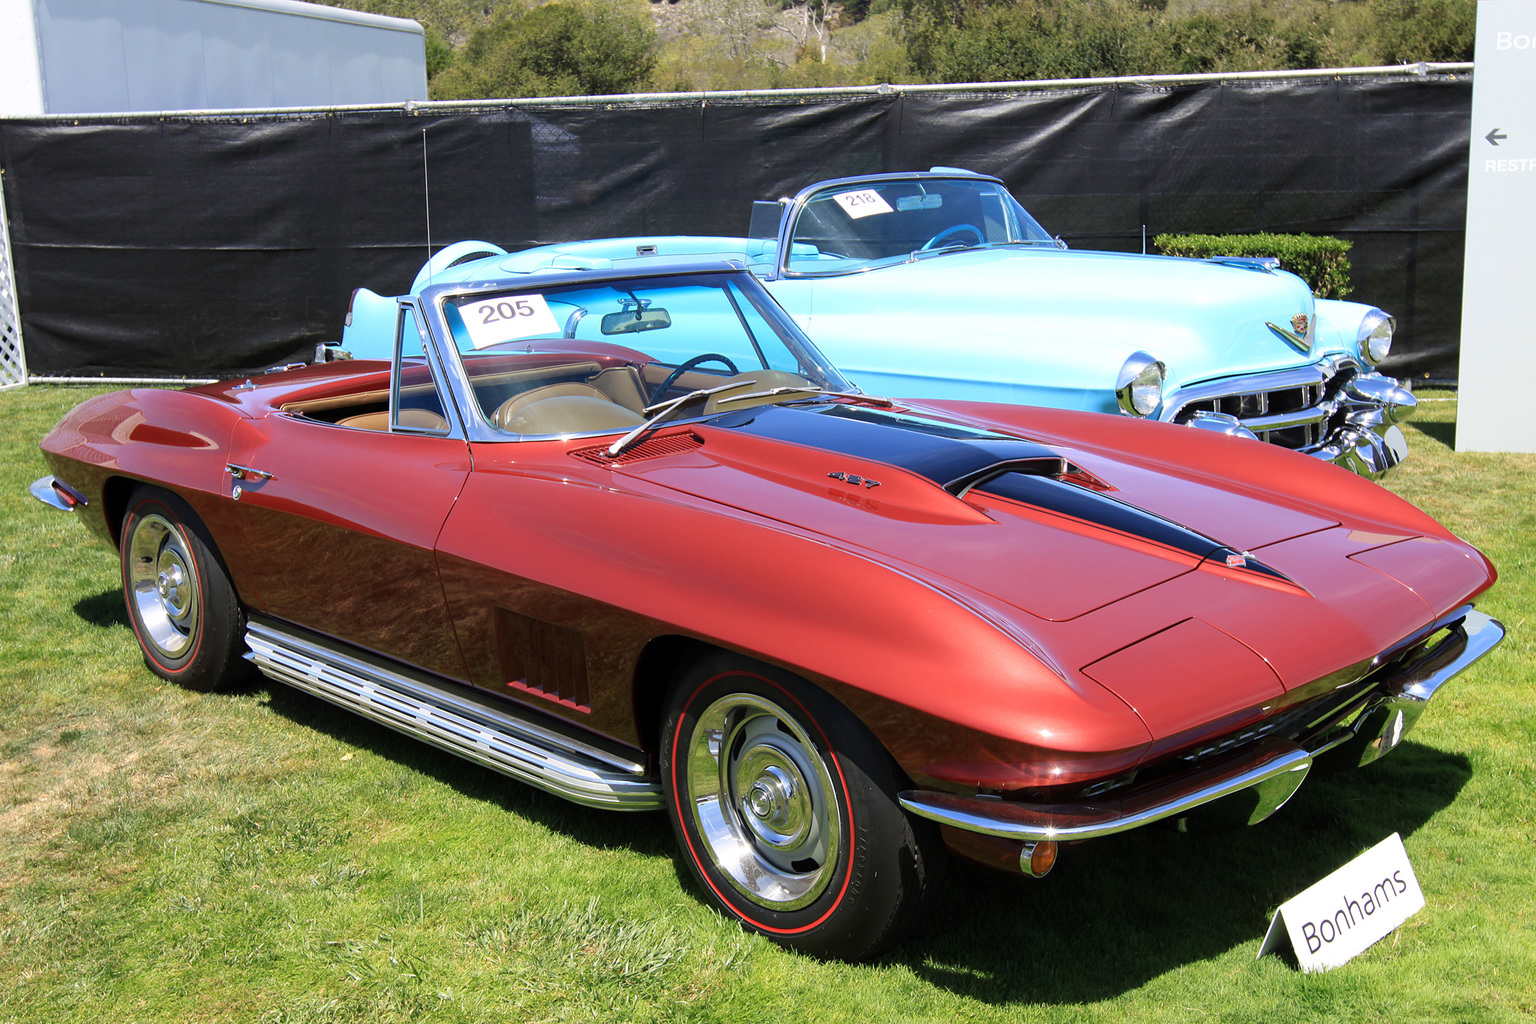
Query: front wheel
column 181, row 604
column 783, row 805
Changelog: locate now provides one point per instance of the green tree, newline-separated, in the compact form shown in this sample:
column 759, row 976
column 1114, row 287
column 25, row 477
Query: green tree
column 439, row 53
column 1043, row 39
column 564, row 48
column 1431, row 30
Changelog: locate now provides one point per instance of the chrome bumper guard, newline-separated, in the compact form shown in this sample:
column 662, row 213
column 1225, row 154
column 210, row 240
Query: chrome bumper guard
column 1349, row 416
column 56, row 494
column 1257, row 781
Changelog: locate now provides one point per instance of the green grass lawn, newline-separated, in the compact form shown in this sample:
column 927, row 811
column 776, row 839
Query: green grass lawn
column 259, row 856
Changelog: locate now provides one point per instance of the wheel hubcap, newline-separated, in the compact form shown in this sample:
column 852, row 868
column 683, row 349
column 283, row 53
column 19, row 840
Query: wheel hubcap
column 162, row 585
column 776, row 806
column 763, row 801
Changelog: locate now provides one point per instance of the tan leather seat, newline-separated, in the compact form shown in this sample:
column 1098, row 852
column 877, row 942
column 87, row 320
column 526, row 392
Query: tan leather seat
column 563, row 409
column 421, row 419
column 621, row 384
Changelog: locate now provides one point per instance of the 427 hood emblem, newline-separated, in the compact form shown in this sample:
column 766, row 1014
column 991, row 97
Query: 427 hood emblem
column 857, row 481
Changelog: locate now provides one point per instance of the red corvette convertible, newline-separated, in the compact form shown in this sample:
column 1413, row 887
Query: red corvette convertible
column 629, row 538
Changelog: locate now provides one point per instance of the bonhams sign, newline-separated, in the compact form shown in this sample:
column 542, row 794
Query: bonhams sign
column 1351, row 909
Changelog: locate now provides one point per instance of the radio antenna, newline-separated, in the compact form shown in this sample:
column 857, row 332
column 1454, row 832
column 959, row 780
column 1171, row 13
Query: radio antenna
column 426, row 189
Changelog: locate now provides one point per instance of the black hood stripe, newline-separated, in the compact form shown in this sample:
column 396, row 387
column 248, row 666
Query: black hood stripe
column 961, row 458
column 1091, row 507
column 942, row 452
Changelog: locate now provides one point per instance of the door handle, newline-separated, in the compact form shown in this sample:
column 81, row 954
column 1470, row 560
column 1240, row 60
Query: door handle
column 246, row 472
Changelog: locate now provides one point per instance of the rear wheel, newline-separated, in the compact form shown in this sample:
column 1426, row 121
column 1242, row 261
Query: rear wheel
column 181, row 604
column 784, row 807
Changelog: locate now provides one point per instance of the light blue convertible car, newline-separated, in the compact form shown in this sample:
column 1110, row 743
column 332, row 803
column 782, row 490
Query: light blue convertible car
column 940, row 285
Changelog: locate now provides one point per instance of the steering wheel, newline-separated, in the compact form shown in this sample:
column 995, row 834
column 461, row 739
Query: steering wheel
column 953, row 229
column 685, row 366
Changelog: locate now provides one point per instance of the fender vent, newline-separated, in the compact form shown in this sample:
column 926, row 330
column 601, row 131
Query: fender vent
column 541, row 658
column 650, row 448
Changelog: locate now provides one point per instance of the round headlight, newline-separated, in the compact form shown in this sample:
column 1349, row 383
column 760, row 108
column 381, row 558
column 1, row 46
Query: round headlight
column 1139, row 386
column 1376, row 336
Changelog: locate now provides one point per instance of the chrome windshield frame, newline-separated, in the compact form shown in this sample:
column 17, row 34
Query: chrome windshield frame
column 431, row 302
column 796, row 206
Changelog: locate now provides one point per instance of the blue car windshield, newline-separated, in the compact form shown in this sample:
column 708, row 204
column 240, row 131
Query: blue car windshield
column 859, row 225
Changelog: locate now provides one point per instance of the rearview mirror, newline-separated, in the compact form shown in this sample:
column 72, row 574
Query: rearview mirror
column 631, row 320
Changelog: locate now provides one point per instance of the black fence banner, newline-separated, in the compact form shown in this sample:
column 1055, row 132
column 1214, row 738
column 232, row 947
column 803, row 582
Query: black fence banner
column 212, row 245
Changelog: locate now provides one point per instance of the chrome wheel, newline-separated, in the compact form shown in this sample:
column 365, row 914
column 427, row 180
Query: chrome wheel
column 784, row 808
column 763, row 801
column 163, row 587
column 181, row 604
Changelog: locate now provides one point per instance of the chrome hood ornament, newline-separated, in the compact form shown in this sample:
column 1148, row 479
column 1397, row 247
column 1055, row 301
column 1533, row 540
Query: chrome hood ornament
column 1297, row 335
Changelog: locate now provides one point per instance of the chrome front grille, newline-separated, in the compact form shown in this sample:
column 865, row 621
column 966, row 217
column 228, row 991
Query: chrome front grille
column 1263, row 403
column 1291, row 408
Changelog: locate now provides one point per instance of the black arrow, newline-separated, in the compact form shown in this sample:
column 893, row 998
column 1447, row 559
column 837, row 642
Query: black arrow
column 1494, row 136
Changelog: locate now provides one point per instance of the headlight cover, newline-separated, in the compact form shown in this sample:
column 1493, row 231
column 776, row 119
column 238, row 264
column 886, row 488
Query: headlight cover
column 1139, row 387
column 1376, row 336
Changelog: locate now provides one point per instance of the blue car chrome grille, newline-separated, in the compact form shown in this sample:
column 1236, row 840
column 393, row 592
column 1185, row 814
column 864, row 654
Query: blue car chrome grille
column 1293, row 414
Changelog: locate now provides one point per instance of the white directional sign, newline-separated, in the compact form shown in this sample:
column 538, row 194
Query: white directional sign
column 1498, row 319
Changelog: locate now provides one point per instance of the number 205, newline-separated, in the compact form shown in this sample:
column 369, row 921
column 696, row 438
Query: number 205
column 505, row 310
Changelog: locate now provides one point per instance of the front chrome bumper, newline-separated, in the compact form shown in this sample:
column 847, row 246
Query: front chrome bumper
column 1262, row 777
column 1334, row 410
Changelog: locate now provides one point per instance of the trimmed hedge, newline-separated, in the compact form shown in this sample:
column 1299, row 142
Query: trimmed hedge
column 1320, row 261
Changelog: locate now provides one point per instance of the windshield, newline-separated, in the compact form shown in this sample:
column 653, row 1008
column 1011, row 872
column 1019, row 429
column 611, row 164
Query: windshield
column 858, row 225
column 589, row 358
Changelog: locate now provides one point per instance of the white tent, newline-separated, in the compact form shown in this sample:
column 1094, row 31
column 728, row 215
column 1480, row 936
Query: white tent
column 97, row 56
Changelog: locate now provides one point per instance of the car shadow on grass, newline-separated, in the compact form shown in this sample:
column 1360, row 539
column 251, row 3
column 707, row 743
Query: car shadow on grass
column 647, row 834
column 1122, row 910
column 1445, row 433
column 1116, row 912
column 103, row 610
column 643, row 833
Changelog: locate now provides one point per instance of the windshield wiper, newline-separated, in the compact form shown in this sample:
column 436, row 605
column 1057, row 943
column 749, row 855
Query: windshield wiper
column 952, row 247
column 809, row 391
column 663, row 411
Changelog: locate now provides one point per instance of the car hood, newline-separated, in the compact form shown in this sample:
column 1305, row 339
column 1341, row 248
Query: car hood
column 1062, row 542
column 1074, row 316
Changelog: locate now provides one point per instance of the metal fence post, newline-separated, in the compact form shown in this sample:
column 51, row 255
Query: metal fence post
column 13, row 358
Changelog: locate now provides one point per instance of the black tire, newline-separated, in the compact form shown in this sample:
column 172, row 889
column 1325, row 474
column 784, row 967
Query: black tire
column 784, row 809
column 181, row 604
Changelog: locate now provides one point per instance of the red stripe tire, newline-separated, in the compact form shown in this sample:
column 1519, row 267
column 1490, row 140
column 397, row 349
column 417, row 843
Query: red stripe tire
column 784, row 808
column 180, row 602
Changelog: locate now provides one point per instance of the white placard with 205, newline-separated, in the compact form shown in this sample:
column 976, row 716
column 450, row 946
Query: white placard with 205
column 493, row 320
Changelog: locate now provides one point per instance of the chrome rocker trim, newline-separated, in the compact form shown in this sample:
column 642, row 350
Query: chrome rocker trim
column 491, row 736
column 1264, row 775
column 1365, row 409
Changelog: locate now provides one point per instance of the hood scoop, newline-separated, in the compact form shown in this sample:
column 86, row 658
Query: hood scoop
column 948, row 454
column 1052, row 466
